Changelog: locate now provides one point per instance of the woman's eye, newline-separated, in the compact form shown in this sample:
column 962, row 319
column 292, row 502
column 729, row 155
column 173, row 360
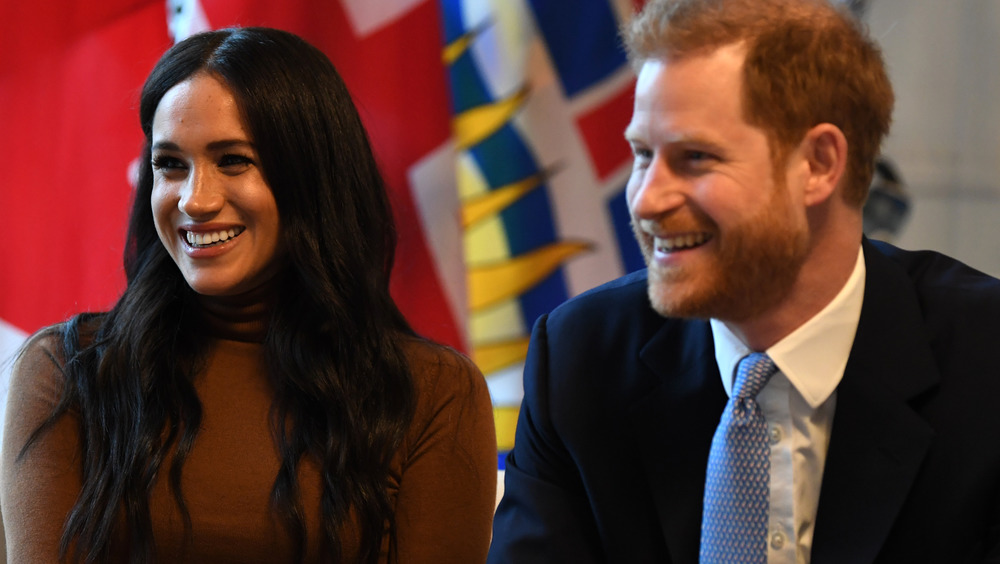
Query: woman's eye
column 168, row 167
column 235, row 160
column 235, row 163
column 164, row 162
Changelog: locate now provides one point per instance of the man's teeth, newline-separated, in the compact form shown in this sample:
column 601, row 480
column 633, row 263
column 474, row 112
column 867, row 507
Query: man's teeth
column 680, row 242
column 208, row 239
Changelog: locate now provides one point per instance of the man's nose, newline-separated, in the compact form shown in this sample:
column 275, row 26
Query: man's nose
column 656, row 191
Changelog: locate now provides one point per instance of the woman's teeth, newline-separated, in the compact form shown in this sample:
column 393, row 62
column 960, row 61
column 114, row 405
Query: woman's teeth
column 213, row 238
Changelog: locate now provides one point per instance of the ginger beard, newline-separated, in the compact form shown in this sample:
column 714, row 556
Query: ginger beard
column 750, row 266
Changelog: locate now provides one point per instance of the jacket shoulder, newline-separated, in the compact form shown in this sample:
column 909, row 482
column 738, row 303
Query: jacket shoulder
column 624, row 294
column 608, row 325
column 945, row 282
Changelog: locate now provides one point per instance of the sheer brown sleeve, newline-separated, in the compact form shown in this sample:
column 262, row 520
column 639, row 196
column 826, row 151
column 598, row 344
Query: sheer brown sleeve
column 38, row 484
column 447, row 489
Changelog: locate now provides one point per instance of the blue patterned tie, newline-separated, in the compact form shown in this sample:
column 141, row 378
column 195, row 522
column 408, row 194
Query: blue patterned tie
column 735, row 515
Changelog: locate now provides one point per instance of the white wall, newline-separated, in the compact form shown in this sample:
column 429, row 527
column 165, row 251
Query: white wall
column 943, row 61
column 10, row 340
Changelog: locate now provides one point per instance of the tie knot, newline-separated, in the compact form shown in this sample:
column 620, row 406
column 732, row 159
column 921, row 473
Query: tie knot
column 753, row 372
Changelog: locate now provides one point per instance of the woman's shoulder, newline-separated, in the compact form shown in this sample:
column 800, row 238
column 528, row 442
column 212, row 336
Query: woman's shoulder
column 38, row 364
column 36, row 378
column 436, row 366
column 453, row 412
column 447, row 384
column 42, row 351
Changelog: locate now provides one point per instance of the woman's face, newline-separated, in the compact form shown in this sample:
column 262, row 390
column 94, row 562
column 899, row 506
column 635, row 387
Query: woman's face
column 212, row 209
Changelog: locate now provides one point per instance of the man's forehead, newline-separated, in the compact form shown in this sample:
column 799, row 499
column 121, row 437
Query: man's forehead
column 719, row 70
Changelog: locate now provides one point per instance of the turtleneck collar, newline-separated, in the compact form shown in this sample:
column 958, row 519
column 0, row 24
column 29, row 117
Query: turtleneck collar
column 243, row 317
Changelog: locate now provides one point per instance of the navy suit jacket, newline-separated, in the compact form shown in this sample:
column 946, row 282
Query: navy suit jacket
column 621, row 404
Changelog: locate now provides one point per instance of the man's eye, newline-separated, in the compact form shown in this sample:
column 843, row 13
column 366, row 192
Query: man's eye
column 641, row 155
column 698, row 156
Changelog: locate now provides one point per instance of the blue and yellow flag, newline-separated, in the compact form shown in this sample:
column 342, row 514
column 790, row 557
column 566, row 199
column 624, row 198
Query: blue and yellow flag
column 541, row 94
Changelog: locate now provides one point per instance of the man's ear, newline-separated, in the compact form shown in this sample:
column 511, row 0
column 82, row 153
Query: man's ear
column 825, row 149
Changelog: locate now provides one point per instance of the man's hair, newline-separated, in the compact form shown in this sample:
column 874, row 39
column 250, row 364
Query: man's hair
column 807, row 63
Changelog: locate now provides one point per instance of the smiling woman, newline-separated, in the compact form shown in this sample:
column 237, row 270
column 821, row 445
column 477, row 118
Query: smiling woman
column 212, row 208
column 254, row 395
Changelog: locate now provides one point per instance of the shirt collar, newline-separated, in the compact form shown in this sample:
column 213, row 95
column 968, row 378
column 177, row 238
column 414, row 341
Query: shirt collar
column 813, row 356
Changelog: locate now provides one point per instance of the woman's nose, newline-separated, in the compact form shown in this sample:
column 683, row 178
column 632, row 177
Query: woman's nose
column 202, row 194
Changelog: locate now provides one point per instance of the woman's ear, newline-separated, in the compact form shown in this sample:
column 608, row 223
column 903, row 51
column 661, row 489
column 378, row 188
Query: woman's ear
column 825, row 149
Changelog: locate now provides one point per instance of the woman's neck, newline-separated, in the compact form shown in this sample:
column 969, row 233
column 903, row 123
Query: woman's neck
column 243, row 317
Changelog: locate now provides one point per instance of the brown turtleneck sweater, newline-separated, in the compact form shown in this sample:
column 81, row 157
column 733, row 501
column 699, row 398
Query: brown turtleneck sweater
column 443, row 478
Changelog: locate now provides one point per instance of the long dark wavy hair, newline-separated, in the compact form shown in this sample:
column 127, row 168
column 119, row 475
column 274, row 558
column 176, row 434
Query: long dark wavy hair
column 343, row 390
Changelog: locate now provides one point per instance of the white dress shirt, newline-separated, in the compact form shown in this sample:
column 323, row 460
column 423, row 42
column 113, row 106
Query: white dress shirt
column 798, row 403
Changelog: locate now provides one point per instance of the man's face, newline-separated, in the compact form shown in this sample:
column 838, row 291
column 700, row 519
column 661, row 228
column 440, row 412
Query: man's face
column 722, row 236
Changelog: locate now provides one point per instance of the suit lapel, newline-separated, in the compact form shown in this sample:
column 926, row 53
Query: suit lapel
column 878, row 441
column 675, row 423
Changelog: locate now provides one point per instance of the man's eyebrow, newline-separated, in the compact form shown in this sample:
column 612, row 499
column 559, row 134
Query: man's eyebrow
column 679, row 138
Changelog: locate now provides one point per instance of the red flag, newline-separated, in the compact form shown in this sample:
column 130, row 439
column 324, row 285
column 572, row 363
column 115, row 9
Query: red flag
column 68, row 92
column 69, row 81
